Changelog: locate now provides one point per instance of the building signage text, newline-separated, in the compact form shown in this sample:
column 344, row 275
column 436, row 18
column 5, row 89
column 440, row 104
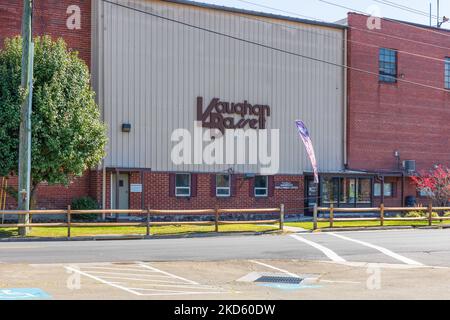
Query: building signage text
column 221, row 115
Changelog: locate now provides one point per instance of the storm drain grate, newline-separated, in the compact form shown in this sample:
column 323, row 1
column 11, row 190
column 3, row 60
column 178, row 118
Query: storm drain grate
column 279, row 279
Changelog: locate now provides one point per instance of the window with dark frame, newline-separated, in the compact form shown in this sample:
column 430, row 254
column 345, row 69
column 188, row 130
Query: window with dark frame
column 388, row 189
column 447, row 72
column 261, row 186
column 349, row 191
column 223, row 185
column 387, row 65
column 183, row 185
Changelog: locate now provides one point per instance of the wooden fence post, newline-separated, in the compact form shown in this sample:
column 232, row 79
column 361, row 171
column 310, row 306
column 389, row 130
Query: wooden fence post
column 69, row 218
column 331, row 215
column 430, row 214
column 315, row 217
column 382, row 214
column 216, row 220
column 281, row 217
column 148, row 223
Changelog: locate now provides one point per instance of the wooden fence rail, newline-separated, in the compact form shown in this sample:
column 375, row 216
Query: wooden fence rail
column 382, row 212
column 148, row 213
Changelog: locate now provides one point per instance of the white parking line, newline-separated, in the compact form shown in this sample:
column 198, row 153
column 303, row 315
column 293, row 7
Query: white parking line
column 174, row 286
column 166, row 273
column 381, row 249
column 328, row 252
column 130, row 274
column 119, row 269
column 104, row 281
column 182, row 293
column 275, row 268
column 139, row 279
column 143, row 284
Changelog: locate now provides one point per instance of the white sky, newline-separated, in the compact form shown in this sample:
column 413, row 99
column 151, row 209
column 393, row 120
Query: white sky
column 330, row 13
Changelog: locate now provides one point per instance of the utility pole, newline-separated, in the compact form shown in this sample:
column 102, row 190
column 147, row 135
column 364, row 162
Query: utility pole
column 431, row 13
column 438, row 19
column 25, row 114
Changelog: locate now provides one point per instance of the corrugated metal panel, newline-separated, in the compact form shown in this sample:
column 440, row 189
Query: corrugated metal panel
column 153, row 70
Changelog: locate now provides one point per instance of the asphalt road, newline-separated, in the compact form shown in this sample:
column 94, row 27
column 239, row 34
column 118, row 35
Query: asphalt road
column 408, row 247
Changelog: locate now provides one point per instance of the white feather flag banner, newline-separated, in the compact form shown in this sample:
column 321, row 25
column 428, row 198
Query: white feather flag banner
column 306, row 138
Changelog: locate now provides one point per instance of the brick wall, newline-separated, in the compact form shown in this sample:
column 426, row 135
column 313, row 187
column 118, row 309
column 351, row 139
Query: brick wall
column 156, row 193
column 396, row 199
column 54, row 196
column 49, row 18
column 386, row 117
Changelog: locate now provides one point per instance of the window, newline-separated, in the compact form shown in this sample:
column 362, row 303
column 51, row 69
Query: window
column 183, row 185
column 330, row 189
column 364, row 190
column 223, row 183
column 388, row 65
column 388, row 189
column 347, row 190
column 261, row 186
column 447, row 73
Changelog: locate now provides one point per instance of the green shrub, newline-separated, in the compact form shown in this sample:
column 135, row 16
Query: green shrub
column 415, row 214
column 84, row 203
column 420, row 214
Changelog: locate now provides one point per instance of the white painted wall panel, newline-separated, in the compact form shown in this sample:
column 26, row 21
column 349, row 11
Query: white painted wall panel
column 153, row 69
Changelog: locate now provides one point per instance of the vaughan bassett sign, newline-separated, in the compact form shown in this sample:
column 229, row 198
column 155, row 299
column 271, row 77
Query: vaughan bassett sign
column 221, row 115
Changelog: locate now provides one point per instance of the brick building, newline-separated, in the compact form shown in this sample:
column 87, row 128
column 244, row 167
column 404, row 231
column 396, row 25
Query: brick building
column 390, row 119
column 149, row 71
column 49, row 18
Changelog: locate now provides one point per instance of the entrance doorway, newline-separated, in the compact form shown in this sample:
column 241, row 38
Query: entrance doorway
column 311, row 194
column 123, row 188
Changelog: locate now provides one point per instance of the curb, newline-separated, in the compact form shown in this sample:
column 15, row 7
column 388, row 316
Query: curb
column 141, row 237
column 381, row 228
column 364, row 228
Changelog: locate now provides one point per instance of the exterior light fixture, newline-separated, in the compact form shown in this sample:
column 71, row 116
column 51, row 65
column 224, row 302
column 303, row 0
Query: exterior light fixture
column 126, row 127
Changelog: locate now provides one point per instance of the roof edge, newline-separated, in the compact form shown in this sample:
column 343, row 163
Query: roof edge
column 423, row 26
column 257, row 13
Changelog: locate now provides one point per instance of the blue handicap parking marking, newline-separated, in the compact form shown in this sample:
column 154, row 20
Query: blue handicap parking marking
column 23, row 294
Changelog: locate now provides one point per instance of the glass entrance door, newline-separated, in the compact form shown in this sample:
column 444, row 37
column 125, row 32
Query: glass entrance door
column 312, row 190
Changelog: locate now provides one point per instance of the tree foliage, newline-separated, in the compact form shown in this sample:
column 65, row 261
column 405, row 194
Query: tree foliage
column 68, row 135
column 435, row 183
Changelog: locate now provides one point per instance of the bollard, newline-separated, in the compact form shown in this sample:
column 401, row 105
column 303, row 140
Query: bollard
column 382, row 214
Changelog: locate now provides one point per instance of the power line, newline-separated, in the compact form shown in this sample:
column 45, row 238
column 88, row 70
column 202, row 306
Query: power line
column 334, row 37
column 391, row 20
column 351, row 27
column 283, row 11
column 267, row 46
column 405, row 8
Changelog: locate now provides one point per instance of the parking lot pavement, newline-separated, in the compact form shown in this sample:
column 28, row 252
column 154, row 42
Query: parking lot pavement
column 233, row 279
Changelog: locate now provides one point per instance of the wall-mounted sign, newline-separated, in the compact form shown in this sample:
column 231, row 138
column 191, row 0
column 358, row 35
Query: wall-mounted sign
column 136, row 187
column 222, row 115
column 286, row 185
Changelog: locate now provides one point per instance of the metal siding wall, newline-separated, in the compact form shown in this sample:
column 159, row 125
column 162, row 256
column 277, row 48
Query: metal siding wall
column 154, row 69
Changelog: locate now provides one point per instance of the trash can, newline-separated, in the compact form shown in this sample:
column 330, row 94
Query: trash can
column 410, row 201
